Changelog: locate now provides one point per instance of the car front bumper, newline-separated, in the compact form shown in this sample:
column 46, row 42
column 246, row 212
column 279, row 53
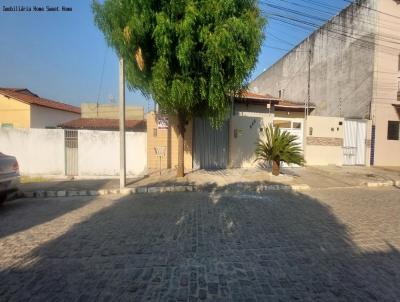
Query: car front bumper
column 9, row 184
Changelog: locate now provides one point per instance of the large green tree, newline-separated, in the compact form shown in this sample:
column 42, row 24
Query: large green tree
column 188, row 55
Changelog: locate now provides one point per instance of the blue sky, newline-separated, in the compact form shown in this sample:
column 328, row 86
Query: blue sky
column 60, row 55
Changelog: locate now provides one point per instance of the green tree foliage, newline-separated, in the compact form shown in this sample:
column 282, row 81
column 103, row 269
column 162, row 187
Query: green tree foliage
column 279, row 146
column 188, row 55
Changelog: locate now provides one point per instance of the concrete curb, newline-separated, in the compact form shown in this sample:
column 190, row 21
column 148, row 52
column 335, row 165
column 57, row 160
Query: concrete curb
column 186, row 188
column 386, row 183
column 102, row 192
column 299, row 187
column 142, row 190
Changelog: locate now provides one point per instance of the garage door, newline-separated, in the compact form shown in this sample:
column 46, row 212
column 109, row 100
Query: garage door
column 210, row 146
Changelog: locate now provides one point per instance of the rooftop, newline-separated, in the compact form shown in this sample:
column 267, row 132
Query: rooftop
column 251, row 97
column 26, row 96
column 103, row 124
column 280, row 104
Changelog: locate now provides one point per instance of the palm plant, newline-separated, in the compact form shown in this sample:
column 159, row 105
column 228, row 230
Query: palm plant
column 280, row 146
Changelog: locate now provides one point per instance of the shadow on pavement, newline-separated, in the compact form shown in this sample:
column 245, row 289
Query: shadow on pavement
column 37, row 211
column 78, row 184
column 279, row 246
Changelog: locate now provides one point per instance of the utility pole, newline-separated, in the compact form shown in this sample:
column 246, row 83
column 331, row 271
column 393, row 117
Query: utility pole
column 122, row 154
column 309, row 85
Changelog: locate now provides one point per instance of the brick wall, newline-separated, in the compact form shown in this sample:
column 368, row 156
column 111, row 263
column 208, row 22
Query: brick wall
column 167, row 139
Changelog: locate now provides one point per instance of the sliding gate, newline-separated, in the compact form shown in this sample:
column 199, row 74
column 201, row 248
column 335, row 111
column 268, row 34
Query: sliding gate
column 210, row 146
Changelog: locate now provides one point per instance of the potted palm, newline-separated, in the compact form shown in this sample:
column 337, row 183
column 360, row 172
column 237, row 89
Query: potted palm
column 279, row 146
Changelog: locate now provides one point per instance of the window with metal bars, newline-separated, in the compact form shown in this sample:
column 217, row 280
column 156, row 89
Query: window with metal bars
column 393, row 130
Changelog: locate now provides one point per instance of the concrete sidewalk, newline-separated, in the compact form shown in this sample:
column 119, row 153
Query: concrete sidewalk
column 200, row 178
column 348, row 176
column 236, row 179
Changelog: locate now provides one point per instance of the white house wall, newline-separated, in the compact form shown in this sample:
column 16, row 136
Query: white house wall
column 42, row 117
column 242, row 145
column 38, row 151
column 42, row 151
column 98, row 153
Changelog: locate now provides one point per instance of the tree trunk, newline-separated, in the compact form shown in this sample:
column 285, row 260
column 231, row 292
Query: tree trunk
column 275, row 167
column 181, row 138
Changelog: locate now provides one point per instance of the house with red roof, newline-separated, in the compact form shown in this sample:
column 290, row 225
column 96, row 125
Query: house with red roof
column 21, row 108
column 105, row 117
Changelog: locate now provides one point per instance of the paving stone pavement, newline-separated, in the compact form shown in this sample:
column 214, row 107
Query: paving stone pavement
column 325, row 245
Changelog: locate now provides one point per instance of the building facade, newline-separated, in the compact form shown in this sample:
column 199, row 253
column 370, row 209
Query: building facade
column 349, row 68
column 20, row 108
column 105, row 117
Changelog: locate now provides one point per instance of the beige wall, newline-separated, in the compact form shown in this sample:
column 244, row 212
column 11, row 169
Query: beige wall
column 386, row 83
column 168, row 139
column 14, row 112
column 288, row 114
column 387, row 152
column 242, row 147
column 42, row 117
column 91, row 110
column 324, row 146
column 253, row 110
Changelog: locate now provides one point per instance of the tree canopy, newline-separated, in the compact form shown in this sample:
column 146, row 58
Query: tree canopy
column 188, row 55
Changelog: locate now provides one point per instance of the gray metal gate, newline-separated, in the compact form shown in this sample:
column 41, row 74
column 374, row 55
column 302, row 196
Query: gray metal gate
column 210, row 146
column 71, row 152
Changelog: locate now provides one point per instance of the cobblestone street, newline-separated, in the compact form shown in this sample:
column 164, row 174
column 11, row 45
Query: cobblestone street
column 325, row 245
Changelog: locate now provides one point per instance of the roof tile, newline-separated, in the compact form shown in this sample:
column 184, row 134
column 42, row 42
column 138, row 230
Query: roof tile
column 26, row 96
column 103, row 124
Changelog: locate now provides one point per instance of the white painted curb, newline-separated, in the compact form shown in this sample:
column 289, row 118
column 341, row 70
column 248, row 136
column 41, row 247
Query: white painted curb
column 377, row 184
column 141, row 190
column 126, row 191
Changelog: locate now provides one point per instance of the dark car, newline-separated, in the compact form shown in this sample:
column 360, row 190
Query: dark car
column 9, row 175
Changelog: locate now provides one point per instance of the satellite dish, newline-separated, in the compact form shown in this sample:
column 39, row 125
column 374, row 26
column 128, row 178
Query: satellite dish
column 111, row 99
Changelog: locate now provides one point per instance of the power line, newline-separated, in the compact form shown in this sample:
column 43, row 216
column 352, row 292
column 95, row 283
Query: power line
column 280, row 39
column 338, row 9
column 312, row 24
column 307, row 7
column 101, row 79
column 277, row 48
column 322, row 4
column 373, row 9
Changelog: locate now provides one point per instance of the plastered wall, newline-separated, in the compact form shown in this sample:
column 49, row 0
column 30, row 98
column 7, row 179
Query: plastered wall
column 14, row 112
column 324, row 140
column 98, row 153
column 167, row 139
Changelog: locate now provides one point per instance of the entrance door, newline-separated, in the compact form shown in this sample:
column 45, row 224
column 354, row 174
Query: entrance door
column 355, row 134
column 295, row 127
column 210, row 146
column 71, row 152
